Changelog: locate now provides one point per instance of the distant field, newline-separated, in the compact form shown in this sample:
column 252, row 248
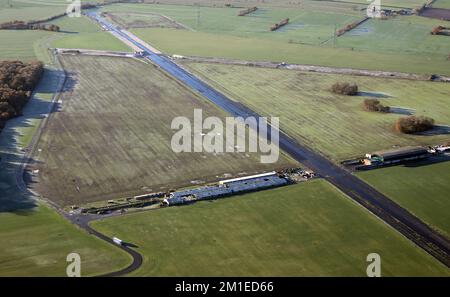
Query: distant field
column 24, row 44
column 311, row 26
column 442, row 4
column 401, row 34
column 142, row 20
column 75, row 33
column 36, row 243
column 83, row 33
column 396, row 44
column 29, row 10
column 189, row 43
column 112, row 136
column 309, row 229
column 391, row 3
column 335, row 125
column 423, row 190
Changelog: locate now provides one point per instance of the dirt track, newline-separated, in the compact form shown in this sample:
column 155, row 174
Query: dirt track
column 315, row 68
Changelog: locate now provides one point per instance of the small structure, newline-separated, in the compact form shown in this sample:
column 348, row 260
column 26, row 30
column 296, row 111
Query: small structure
column 150, row 195
column 396, row 155
column 227, row 181
column 117, row 241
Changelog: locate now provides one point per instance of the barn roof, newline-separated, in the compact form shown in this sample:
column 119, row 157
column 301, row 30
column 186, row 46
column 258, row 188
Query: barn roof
column 403, row 152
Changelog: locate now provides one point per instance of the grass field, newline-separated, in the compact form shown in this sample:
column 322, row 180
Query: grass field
column 389, row 3
column 441, row 4
column 309, row 229
column 406, row 34
column 36, row 243
column 29, row 10
column 335, row 125
column 83, row 33
column 75, row 33
column 395, row 45
column 423, row 190
column 112, row 136
column 310, row 26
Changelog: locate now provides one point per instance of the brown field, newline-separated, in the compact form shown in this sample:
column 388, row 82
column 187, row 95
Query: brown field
column 111, row 136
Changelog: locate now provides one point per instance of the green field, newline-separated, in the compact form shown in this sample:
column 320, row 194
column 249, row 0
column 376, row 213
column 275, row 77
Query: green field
column 335, row 125
column 389, row 3
column 85, row 34
column 312, row 26
column 36, row 243
column 394, row 45
column 309, row 229
column 406, row 34
column 75, row 33
column 113, row 135
column 441, row 4
column 29, row 10
column 423, row 190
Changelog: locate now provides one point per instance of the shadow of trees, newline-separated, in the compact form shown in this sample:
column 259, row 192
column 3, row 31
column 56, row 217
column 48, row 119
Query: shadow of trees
column 13, row 194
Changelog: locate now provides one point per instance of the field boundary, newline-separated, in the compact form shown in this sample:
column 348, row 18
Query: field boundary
column 316, row 68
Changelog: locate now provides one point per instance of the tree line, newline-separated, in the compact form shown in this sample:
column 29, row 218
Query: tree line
column 17, row 82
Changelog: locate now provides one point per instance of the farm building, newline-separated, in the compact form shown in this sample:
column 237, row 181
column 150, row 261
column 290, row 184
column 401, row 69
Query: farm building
column 226, row 188
column 396, row 155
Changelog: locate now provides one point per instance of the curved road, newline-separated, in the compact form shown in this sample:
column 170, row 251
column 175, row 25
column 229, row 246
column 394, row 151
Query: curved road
column 410, row 226
column 83, row 222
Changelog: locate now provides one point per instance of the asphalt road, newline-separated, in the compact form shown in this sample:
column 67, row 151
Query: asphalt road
column 410, row 226
column 83, row 222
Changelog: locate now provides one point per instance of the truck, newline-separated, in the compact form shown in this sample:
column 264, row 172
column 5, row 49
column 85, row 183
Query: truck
column 117, row 241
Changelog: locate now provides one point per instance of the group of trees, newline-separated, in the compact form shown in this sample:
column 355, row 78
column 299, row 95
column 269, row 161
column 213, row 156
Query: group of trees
column 440, row 30
column 345, row 88
column 408, row 125
column 414, row 124
column 17, row 81
column 279, row 25
column 375, row 105
column 247, row 11
column 20, row 25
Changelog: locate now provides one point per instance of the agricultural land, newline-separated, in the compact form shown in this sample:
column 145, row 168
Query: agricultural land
column 97, row 130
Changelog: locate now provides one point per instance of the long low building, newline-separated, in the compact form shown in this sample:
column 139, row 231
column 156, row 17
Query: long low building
column 226, row 188
column 396, row 155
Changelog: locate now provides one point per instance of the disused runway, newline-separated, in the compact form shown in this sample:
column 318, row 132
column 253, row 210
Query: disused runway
column 393, row 214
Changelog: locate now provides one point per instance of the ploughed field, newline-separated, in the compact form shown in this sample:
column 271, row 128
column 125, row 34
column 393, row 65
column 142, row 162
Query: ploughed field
column 111, row 135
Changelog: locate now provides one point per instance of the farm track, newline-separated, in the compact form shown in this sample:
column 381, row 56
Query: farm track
column 82, row 221
column 314, row 68
column 397, row 217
